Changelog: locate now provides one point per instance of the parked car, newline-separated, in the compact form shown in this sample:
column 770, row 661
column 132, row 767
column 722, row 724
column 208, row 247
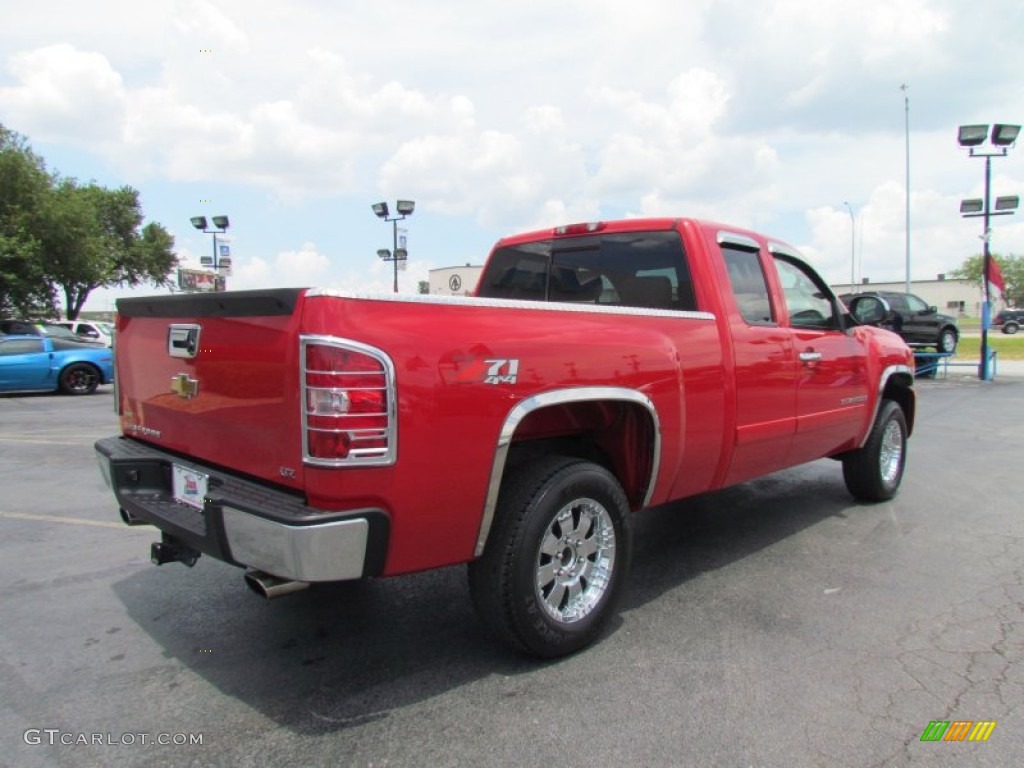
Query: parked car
column 1008, row 320
column 919, row 324
column 40, row 328
column 36, row 362
column 98, row 331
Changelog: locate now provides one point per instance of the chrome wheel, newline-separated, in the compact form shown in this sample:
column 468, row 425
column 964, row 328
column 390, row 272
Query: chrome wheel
column 553, row 569
column 575, row 560
column 890, row 454
column 874, row 471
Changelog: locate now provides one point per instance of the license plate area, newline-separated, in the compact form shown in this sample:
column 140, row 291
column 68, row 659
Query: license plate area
column 188, row 486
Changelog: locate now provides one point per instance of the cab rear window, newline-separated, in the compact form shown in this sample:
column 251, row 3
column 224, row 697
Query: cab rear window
column 634, row 269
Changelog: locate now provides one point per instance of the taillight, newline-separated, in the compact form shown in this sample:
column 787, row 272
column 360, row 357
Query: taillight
column 348, row 403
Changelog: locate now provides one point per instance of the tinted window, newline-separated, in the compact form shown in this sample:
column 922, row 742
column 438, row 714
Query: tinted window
column 20, row 347
column 746, row 277
column 636, row 269
column 897, row 301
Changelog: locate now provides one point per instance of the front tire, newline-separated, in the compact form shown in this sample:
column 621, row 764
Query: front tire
column 556, row 559
column 79, row 379
column 874, row 472
column 947, row 341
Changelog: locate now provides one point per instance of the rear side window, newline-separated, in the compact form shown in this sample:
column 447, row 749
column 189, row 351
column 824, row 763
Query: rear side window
column 633, row 269
column 746, row 277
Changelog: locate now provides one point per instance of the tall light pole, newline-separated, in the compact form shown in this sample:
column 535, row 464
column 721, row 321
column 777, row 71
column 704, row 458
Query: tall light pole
column 1002, row 138
column 853, row 249
column 221, row 225
column 404, row 208
column 906, row 124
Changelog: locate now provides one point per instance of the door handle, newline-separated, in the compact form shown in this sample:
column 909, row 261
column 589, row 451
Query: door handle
column 810, row 357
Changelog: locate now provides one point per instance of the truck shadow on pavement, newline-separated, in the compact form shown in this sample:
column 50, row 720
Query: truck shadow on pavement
column 339, row 656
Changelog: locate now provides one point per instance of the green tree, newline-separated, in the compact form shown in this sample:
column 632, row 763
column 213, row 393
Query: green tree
column 94, row 238
column 1012, row 268
column 58, row 234
column 24, row 185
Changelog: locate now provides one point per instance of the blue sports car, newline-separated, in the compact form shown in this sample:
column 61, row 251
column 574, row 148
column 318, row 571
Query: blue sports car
column 45, row 363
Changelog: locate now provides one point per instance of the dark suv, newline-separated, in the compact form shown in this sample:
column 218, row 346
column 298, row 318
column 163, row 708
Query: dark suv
column 1009, row 320
column 920, row 325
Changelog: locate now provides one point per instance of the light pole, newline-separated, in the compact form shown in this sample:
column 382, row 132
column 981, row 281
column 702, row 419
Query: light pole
column 1002, row 138
column 404, row 208
column 221, row 225
column 906, row 124
column 853, row 249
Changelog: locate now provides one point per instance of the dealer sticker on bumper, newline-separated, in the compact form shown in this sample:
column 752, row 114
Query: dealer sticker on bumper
column 189, row 486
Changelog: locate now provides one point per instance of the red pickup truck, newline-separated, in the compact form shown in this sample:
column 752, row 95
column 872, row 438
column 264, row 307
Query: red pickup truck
column 314, row 436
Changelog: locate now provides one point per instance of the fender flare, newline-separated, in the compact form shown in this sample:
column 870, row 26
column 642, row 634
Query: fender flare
column 545, row 400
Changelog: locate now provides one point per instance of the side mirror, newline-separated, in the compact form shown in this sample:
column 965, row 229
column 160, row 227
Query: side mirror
column 869, row 310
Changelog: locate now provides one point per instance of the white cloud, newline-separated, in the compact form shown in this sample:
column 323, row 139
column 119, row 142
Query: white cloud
column 65, row 93
column 502, row 118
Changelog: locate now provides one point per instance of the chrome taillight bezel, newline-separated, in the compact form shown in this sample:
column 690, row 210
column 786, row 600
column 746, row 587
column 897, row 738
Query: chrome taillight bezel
column 358, row 457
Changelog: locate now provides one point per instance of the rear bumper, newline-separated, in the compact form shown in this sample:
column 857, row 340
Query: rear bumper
column 244, row 522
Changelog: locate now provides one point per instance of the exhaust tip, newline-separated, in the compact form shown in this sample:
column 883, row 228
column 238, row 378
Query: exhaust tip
column 130, row 519
column 269, row 587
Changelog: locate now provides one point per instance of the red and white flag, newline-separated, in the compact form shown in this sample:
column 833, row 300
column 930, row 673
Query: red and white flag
column 995, row 277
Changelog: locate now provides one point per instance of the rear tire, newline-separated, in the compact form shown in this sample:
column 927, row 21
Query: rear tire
column 1010, row 328
column 556, row 559
column 874, row 472
column 79, row 379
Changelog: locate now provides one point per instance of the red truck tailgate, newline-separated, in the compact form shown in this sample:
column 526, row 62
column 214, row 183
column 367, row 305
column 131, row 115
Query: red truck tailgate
column 215, row 377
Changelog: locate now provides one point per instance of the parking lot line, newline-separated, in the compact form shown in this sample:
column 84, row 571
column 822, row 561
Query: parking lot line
column 58, row 439
column 67, row 520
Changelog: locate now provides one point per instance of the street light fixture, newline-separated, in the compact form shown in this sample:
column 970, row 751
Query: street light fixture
column 404, row 208
column 1002, row 138
column 972, row 135
column 220, row 226
column 1004, row 135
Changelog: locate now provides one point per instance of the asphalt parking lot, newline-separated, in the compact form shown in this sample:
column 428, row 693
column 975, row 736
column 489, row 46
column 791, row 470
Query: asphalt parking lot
column 773, row 624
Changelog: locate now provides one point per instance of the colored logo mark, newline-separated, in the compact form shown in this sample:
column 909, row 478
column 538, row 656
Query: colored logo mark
column 958, row 730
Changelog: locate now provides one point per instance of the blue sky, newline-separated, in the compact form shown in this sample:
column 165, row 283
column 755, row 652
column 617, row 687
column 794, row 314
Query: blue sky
column 497, row 117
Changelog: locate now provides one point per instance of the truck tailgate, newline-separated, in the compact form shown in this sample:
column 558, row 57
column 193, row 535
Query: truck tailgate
column 215, row 377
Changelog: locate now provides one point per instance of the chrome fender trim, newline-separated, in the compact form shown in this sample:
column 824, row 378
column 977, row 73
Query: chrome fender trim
column 544, row 400
column 887, row 374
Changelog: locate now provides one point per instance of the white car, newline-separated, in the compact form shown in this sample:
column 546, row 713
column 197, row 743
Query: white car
column 91, row 330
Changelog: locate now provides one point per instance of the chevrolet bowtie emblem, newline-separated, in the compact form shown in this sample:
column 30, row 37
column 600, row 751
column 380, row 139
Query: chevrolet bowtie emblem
column 183, row 386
